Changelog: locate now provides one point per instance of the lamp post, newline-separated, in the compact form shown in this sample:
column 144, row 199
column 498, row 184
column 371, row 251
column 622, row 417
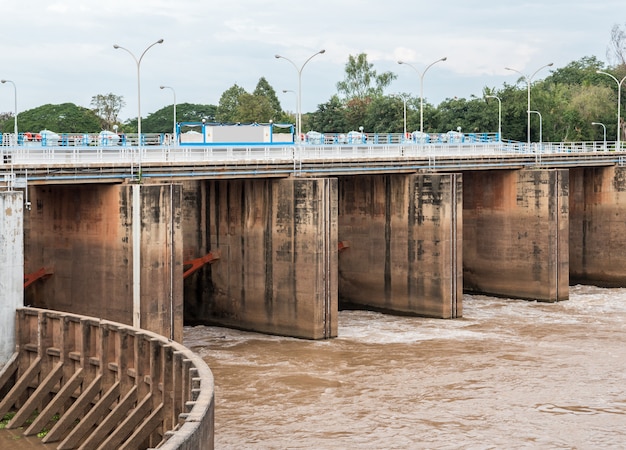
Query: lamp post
column 422, row 87
column 299, row 102
column 499, row 115
column 173, row 92
column 603, row 129
column 619, row 98
column 15, row 100
column 540, row 125
column 138, row 62
column 528, row 81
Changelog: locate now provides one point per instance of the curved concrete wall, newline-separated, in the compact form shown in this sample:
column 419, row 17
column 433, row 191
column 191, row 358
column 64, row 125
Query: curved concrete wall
column 100, row 384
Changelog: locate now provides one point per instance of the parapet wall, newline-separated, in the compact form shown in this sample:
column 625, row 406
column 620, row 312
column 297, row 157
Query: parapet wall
column 99, row 384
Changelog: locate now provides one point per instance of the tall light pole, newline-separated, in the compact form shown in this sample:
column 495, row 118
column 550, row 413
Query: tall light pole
column 540, row 125
column 499, row 115
column 422, row 88
column 528, row 81
column 619, row 98
column 603, row 130
column 15, row 111
column 173, row 92
column 138, row 62
column 299, row 104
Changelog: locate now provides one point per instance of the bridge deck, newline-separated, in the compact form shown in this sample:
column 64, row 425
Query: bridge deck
column 116, row 164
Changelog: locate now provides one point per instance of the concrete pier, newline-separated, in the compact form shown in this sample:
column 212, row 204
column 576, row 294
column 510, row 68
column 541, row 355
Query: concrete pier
column 598, row 226
column 11, row 268
column 405, row 237
column 113, row 249
column 516, row 233
column 277, row 238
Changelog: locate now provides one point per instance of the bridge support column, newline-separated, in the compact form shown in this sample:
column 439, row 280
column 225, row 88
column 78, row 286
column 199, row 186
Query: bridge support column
column 598, row 226
column 277, row 240
column 115, row 252
column 11, row 269
column 404, row 237
column 516, row 233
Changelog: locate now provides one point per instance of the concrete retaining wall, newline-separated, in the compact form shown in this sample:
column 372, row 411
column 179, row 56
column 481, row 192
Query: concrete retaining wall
column 516, row 233
column 405, row 243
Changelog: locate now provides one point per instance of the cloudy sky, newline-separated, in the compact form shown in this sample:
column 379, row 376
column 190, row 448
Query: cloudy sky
column 62, row 51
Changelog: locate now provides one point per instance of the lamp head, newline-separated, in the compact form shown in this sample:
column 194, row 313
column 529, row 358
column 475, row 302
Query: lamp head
column 550, row 65
column 277, row 56
column 160, row 41
column 401, row 62
column 161, row 87
column 3, row 81
column 115, row 46
column 322, row 51
column 444, row 58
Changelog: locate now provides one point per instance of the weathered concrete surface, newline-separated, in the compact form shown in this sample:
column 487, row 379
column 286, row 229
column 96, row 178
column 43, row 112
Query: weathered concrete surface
column 405, row 243
column 85, row 234
column 598, row 226
column 516, row 233
column 11, row 269
column 278, row 244
column 107, row 385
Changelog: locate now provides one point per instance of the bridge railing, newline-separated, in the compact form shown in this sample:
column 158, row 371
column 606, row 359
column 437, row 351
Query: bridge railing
column 136, row 155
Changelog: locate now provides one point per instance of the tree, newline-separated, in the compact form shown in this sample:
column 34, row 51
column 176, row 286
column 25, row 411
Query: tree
column 265, row 90
column 254, row 108
column 329, row 117
column 162, row 121
column 63, row 118
column 361, row 80
column 229, row 101
column 107, row 108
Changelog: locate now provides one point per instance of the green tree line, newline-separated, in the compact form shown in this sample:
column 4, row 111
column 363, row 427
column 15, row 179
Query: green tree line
column 569, row 100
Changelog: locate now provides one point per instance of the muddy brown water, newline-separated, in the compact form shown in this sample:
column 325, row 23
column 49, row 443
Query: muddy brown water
column 510, row 374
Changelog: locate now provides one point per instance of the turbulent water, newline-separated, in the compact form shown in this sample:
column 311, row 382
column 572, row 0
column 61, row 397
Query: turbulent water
column 509, row 374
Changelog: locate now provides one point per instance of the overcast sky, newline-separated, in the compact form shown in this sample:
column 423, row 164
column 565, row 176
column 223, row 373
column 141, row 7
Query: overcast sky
column 62, row 51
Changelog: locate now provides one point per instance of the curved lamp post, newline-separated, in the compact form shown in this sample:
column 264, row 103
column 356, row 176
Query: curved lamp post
column 619, row 98
column 299, row 97
column 603, row 130
column 422, row 87
column 528, row 80
column 15, row 99
column 499, row 115
column 173, row 92
column 138, row 63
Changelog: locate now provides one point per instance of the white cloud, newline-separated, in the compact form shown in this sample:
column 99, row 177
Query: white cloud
column 63, row 51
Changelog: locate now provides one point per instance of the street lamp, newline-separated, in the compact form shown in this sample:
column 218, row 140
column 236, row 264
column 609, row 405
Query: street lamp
column 603, row 129
column 138, row 62
column 422, row 88
column 299, row 97
column 540, row 125
column 173, row 92
column 619, row 98
column 15, row 99
column 499, row 115
column 528, row 81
